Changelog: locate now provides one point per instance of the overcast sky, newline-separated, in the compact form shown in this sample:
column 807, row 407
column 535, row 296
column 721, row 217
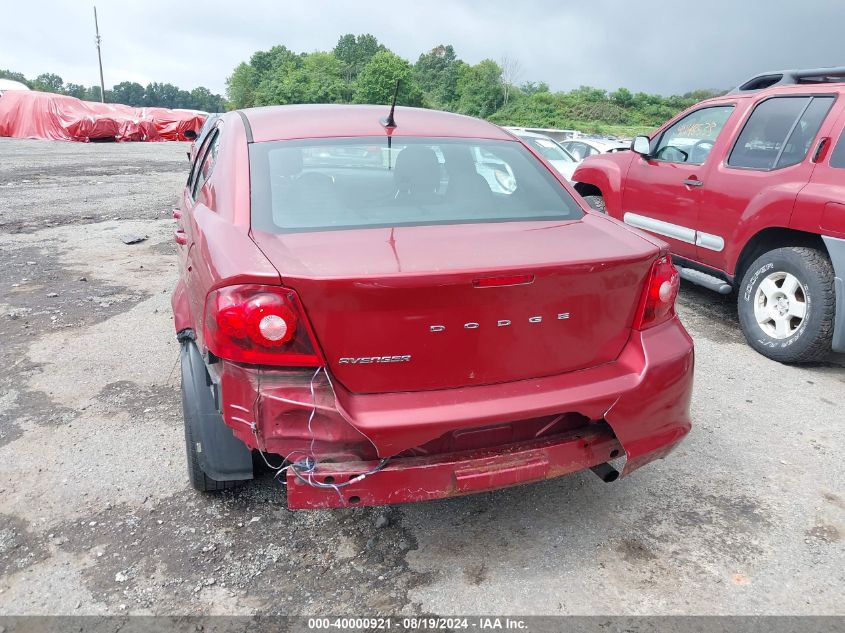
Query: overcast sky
column 660, row 46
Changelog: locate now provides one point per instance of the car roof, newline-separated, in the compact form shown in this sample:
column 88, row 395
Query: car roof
column 599, row 141
column 527, row 134
column 277, row 123
column 782, row 90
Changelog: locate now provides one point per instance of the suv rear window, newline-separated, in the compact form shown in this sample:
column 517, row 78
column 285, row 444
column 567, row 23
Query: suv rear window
column 340, row 183
column 779, row 132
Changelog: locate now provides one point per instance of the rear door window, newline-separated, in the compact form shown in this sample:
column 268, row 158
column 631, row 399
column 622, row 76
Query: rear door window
column 837, row 159
column 207, row 164
column 779, row 132
column 691, row 139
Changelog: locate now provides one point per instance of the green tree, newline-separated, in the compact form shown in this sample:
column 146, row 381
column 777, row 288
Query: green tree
column 480, row 90
column 317, row 79
column 76, row 90
column 129, row 92
column 48, row 82
column 241, row 86
column 622, row 97
column 354, row 53
column 265, row 62
column 377, row 81
column 437, row 73
column 203, row 99
column 531, row 87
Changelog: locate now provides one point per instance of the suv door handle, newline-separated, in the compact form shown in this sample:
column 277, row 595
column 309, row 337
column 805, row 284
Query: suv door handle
column 692, row 182
column 180, row 237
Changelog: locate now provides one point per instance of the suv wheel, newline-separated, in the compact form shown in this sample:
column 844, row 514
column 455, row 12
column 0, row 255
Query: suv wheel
column 596, row 202
column 787, row 303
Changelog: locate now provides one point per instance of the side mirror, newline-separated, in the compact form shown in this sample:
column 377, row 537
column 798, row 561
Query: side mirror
column 191, row 135
column 641, row 145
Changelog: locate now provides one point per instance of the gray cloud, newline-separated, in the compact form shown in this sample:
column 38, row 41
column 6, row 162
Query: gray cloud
column 651, row 45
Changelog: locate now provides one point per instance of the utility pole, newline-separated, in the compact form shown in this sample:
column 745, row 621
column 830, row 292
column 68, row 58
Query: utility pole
column 99, row 58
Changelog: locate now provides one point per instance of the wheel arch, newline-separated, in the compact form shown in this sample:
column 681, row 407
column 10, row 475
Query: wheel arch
column 603, row 175
column 771, row 238
column 586, row 189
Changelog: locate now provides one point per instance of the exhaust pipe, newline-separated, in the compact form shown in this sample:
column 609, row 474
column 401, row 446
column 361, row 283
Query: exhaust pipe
column 605, row 472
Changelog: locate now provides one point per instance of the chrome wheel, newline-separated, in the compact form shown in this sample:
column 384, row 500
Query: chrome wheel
column 780, row 305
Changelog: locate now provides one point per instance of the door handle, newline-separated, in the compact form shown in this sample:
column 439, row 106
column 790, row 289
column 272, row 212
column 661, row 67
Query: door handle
column 819, row 154
column 177, row 213
column 692, row 182
column 180, row 237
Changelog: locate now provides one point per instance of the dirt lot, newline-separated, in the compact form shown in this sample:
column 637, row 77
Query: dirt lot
column 96, row 515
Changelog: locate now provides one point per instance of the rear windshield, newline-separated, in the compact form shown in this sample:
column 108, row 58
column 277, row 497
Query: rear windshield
column 323, row 184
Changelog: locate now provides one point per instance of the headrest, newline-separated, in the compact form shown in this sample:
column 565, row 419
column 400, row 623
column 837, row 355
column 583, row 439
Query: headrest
column 417, row 169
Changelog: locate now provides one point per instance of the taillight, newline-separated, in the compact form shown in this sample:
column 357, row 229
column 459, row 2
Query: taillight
column 658, row 302
column 261, row 325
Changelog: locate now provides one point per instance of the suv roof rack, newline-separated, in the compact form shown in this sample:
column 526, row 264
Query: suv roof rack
column 792, row 77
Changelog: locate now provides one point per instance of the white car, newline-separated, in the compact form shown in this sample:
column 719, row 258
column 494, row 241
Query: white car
column 549, row 149
column 583, row 147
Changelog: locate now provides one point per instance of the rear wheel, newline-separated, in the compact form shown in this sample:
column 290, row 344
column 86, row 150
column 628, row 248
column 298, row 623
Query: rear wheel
column 786, row 304
column 199, row 480
column 596, row 202
column 197, row 408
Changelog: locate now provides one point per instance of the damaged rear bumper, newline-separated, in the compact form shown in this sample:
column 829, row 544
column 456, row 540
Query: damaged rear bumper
column 435, row 477
column 637, row 404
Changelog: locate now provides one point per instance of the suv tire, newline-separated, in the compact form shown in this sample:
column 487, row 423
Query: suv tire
column 786, row 304
column 596, row 202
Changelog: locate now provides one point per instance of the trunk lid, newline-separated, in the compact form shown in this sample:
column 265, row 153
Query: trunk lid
column 399, row 310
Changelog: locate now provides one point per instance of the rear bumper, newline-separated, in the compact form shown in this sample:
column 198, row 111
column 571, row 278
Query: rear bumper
column 436, row 477
column 638, row 404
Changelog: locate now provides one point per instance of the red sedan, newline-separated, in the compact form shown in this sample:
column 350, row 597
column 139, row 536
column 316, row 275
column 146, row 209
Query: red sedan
column 386, row 311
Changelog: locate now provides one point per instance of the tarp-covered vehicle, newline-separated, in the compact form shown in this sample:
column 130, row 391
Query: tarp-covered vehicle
column 44, row 115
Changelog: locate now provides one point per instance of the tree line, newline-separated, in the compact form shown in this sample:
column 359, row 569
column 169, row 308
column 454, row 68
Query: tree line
column 361, row 70
column 130, row 93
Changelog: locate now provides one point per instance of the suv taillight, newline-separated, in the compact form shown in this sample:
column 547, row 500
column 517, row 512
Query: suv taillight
column 658, row 302
column 260, row 325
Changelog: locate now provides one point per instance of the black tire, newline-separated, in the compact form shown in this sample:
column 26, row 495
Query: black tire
column 192, row 403
column 596, row 202
column 199, row 480
column 812, row 336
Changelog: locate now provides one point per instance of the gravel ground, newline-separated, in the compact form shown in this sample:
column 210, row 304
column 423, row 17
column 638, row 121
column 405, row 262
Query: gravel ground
column 96, row 515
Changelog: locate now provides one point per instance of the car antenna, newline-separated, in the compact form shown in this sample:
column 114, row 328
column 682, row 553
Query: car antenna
column 390, row 121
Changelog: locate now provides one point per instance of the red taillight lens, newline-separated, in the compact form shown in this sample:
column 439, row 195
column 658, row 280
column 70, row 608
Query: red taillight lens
column 260, row 325
column 658, row 302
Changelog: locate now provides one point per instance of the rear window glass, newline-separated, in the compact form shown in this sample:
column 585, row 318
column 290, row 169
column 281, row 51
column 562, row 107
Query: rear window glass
column 323, row 184
column 779, row 132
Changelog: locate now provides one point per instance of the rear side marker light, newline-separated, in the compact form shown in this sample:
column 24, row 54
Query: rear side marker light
column 658, row 301
column 260, row 325
column 505, row 280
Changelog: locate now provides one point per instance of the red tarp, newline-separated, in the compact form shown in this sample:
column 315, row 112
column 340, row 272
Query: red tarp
column 43, row 115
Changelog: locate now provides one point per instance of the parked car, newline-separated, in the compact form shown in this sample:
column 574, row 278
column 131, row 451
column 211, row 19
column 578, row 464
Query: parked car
column 559, row 158
column 748, row 189
column 583, row 147
column 379, row 332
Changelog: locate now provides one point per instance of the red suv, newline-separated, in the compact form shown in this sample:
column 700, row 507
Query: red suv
column 748, row 189
column 389, row 310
